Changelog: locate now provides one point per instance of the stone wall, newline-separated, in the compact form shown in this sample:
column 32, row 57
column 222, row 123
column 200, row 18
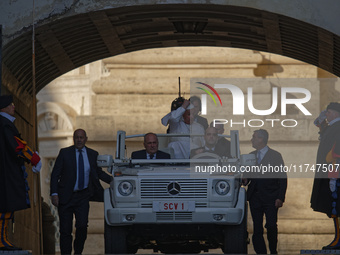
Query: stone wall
column 16, row 16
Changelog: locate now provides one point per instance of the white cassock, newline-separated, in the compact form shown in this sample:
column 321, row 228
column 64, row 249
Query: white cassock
column 183, row 145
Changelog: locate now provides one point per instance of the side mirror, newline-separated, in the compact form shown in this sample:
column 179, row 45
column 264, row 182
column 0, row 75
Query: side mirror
column 105, row 161
column 248, row 160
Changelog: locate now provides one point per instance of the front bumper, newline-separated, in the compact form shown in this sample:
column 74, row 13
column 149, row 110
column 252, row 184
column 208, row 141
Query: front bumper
column 130, row 216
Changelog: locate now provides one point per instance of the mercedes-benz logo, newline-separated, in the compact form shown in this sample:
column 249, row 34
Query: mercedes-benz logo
column 174, row 188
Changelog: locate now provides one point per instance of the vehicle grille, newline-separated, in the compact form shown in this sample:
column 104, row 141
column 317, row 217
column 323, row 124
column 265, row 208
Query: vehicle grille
column 174, row 216
column 189, row 188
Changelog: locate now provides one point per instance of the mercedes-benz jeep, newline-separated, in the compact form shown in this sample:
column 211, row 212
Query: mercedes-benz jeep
column 175, row 205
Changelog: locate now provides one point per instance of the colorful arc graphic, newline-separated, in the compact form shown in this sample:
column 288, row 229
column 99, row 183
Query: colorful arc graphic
column 208, row 92
column 212, row 89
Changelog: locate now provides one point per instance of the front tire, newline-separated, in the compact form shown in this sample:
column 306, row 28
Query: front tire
column 236, row 237
column 115, row 239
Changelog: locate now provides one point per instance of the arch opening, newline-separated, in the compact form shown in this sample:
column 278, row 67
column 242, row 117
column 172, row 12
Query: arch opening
column 71, row 42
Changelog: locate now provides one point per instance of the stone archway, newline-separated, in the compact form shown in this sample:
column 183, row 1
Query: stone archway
column 71, row 34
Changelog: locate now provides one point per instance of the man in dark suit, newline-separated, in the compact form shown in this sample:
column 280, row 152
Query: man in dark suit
column 210, row 144
column 151, row 149
column 74, row 182
column 266, row 193
column 222, row 145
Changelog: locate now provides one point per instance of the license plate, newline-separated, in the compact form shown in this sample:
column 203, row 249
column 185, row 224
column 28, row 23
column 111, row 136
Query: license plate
column 173, row 206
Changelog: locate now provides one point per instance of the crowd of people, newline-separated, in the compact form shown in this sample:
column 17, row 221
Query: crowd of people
column 75, row 176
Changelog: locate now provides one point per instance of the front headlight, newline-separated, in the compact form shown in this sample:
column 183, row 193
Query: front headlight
column 222, row 188
column 125, row 188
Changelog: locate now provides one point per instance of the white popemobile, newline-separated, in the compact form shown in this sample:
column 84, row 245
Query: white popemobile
column 175, row 205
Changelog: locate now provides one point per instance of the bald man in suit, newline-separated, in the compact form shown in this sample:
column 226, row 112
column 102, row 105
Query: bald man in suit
column 151, row 149
column 74, row 182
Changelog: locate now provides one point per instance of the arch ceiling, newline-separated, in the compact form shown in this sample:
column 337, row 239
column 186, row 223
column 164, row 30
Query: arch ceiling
column 71, row 42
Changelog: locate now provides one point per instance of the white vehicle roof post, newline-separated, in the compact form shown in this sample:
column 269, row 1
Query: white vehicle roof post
column 234, row 144
column 120, row 151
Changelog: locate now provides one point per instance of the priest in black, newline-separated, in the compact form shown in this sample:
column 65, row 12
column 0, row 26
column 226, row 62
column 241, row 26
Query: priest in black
column 223, row 144
column 326, row 193
column 211, row 144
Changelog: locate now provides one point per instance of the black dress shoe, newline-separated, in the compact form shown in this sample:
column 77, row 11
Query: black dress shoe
column 10, row 248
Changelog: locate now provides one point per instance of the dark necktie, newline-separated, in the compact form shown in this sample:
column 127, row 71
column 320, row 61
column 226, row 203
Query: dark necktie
column 151, row 156
column 80, row 170
column 259, row 157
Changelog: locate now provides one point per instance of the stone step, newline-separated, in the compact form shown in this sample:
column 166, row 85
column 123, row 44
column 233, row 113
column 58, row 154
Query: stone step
column 320, row 252
column 17, row 252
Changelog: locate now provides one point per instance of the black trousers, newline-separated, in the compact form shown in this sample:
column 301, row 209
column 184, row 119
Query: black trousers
column 78, row 206
column 258, row 209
